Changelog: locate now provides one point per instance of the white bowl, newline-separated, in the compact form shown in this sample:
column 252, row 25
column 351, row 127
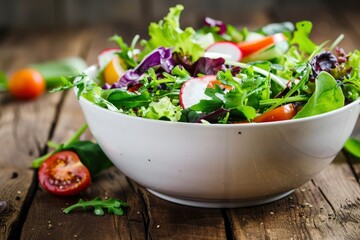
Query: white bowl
column 218, row 165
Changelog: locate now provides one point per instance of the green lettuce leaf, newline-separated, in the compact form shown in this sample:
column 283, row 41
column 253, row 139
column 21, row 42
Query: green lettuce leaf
column 163, row 109
column 301, row 37
column 167, row 33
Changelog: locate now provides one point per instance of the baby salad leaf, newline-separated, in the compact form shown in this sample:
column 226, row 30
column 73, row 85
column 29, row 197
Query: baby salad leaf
column 301, row 37
column 328, row 96
column 167, row 33
column 113, row 206
column 127, row 53
column 352, row 145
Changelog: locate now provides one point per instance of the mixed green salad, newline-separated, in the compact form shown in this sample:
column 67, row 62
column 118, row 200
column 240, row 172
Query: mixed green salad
column 222, row 74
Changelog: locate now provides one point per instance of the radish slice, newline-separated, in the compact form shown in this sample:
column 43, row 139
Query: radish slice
column 106, row 56
column 193, row 90
column 226, row 50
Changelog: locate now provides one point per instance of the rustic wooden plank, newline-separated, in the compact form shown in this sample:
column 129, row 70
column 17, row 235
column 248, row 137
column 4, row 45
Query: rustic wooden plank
column 325, row 208
column 25, row 125
column 351, row 19
column 173, row 221
column 143, row 217
column 15, row 186
column 52, row 223
column 109, row 184
column 22, row 135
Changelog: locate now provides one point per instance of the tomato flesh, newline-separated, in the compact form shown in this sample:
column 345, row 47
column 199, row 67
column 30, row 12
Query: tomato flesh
column 281, row 113
column 63, row 174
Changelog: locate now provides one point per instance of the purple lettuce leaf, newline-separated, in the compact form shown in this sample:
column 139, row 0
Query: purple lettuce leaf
column 216, row 23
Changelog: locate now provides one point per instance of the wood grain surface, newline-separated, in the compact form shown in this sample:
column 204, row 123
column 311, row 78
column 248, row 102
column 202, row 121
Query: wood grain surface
column 327, row 207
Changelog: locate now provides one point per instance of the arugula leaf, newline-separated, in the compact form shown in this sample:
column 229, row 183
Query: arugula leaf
column 113, row 206
column 126, row 53
column 301, row 37
column 216, row 96
column 121, row 98
column 167, row 33
column 328, row 96
column 91, row 155
column 352, row 145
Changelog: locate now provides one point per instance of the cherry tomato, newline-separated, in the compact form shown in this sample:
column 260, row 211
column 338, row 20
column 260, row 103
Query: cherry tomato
column 26, row 83
column 249, row 47
column 285, row 112
column 63, row 174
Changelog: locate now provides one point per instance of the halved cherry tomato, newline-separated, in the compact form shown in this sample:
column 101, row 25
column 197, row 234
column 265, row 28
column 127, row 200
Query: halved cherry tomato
column 285, row 112
column 63, row 174
column 26, row 83
column 249, row 47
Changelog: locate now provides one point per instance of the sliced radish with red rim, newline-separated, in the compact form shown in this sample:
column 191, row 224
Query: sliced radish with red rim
column 226, row 50
column 193, row 90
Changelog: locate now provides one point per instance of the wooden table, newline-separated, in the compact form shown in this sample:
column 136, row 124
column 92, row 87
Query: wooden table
column 327, row 207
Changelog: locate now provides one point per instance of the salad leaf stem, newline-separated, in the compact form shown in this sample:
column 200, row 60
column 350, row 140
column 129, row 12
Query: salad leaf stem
column 337, row 41
column 295, row 88
column 279, row 80
column 299, row 98
column 38, row 161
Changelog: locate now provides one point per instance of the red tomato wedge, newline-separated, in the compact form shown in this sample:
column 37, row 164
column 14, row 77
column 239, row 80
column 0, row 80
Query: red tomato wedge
column 281, row 113
column 249, row 47
column 63, row 174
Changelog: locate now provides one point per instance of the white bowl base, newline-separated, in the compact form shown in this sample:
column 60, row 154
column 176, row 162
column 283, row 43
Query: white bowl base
column 221, row 203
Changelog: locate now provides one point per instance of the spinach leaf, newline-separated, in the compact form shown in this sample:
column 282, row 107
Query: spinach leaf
column 90, row 155
column 328, row 96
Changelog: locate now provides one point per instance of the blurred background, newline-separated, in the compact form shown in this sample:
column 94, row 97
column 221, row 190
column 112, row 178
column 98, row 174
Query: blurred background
column 136, row 14
column 127, row 18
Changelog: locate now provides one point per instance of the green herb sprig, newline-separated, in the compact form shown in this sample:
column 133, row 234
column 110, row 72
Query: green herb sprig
column 113, row 206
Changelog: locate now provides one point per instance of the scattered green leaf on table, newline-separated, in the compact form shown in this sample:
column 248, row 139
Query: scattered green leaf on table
column 3, row 82
column 352, row 145
column 91, row 155
column 113, row 206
